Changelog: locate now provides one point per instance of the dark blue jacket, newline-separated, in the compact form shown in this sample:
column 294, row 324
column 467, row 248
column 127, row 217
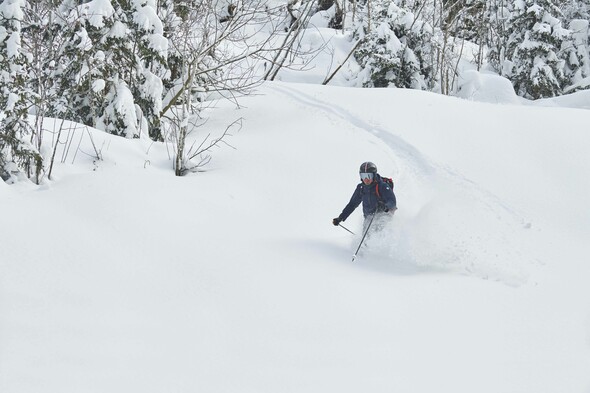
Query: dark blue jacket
column 368, row 196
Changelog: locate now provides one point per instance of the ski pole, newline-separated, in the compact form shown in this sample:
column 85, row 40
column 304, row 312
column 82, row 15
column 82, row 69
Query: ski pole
column 361, row 243
column 343, row 227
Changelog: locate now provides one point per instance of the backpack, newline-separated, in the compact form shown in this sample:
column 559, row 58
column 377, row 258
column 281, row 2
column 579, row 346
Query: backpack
column 386, row 180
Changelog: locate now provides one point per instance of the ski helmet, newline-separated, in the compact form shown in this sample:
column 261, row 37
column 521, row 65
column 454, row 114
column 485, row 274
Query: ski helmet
column 368, row 167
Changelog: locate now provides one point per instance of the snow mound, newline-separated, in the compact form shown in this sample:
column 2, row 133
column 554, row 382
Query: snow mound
column 477, row 86
column 579, row 100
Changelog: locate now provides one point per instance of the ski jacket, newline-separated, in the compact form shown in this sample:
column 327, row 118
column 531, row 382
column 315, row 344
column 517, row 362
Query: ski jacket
column 372, row 203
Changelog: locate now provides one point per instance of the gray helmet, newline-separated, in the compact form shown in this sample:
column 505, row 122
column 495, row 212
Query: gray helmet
column 368, row 167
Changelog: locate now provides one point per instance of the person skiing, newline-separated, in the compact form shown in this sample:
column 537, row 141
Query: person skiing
column 375, row 194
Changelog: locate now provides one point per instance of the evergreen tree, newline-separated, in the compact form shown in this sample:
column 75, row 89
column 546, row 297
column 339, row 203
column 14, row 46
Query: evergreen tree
column 84, row 71
column 395, row 51
column 113, row 48
column 576, row 15
column 15, row 151
column 119, row 116
column 144, row 65
column 576, row 9
column 464, row 18
column 577, row 59
column 533, row 54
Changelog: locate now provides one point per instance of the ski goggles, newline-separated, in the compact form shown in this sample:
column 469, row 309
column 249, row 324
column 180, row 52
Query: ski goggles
column 366, row 176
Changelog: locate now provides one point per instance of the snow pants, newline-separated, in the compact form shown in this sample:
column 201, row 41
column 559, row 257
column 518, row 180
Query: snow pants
column 379, row 222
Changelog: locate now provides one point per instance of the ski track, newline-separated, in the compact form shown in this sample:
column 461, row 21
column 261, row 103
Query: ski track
column 495, row 254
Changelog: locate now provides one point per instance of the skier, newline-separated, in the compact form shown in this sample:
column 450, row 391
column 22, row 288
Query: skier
column 376, row 195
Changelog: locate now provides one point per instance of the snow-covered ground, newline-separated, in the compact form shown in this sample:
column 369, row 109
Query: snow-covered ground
column 119, row 277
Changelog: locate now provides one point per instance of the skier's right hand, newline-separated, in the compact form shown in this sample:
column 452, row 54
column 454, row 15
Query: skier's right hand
column 336, row 221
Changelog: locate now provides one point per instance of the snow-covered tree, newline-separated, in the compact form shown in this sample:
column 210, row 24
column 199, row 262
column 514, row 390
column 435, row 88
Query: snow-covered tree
column 464, row 18
column 577, row 57
column 576, row 9
column 143, row 65
column 495, row 21
column 83, row 70
column 113, row 48
column 577, row 15
column 41, row 40
column 16, row 152
column 534, row 60
column 396, row 50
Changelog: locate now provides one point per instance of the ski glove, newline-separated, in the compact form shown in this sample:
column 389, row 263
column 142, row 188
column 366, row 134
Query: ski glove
column 336, row 221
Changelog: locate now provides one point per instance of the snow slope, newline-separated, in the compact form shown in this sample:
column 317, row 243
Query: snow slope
column 119, row 277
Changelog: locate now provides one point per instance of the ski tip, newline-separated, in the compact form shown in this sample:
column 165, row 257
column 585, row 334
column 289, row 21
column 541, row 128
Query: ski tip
column 353, row 257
